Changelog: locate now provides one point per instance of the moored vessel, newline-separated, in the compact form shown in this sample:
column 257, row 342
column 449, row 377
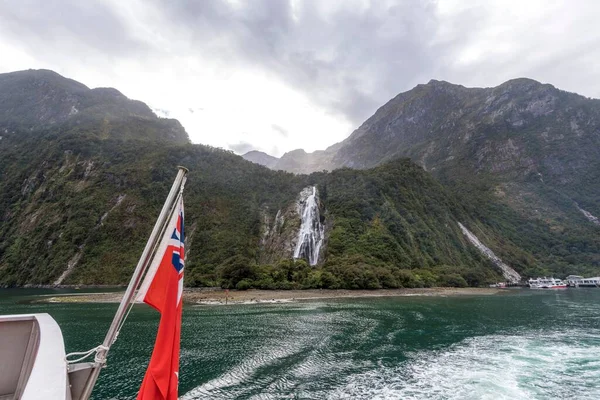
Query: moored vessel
column 546, row 283
column 580, row 281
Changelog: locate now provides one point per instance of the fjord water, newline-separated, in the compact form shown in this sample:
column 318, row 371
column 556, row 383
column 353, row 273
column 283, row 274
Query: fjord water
column 522, row 344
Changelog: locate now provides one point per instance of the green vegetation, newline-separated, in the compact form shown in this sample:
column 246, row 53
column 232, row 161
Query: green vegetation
column 84, row 191
column 56, row 188
column 392, row 226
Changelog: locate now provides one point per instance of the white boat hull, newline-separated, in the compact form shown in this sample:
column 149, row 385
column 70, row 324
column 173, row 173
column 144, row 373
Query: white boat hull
column 547, row 283
column 33, row 358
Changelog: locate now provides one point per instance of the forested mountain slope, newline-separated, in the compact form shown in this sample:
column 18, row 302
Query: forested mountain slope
column 520, row 138
column 524, row 147
column 78, row 201
column 78, row 209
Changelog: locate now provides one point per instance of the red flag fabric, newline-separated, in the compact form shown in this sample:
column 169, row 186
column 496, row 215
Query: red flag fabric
column 162, row 288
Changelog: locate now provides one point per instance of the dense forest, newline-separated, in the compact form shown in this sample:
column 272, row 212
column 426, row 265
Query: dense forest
column 79, row 199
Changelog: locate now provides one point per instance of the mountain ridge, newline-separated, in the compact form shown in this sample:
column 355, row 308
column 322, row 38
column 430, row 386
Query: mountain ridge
column 38, row 99
column 342, row 154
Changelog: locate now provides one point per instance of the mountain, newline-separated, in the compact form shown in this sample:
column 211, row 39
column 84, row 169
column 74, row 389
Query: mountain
column 301, row 162
column 521, row 128
column 296, row 161
column 517, row 129
column 524, row 146
column 258, row 157
column 34, row 99
column 536, row 146
column 80, row 191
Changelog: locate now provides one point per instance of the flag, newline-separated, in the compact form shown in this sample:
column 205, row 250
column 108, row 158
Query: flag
column 162, row 289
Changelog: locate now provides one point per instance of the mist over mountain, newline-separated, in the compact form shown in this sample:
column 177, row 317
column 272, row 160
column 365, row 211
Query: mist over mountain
column 84, row 172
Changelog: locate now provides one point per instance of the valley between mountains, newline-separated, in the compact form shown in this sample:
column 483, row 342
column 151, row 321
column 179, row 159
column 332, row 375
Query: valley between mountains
column 443, row 186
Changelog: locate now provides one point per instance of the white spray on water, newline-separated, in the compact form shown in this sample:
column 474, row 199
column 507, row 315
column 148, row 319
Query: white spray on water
column 312, row 232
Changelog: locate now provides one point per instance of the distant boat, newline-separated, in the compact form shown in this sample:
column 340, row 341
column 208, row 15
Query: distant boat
column 546, row 283
column 580, row 281
column 499, row 285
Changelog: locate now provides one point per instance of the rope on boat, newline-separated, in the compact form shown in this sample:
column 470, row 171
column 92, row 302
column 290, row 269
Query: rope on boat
column 86, row 354
column 131, row 304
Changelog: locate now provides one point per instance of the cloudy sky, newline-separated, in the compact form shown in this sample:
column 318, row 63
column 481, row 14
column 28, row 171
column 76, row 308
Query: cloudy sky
column 276, row 75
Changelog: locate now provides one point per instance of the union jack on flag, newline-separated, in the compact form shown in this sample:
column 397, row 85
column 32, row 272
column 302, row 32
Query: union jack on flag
column 178, row 259
column 162, row 289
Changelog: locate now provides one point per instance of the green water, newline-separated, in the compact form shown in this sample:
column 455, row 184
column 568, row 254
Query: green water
column 522, row 344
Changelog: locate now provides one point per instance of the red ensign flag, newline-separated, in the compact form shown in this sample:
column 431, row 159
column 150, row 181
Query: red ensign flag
column 162, row 289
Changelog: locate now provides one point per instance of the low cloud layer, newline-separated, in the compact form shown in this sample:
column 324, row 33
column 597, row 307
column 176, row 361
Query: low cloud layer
column 278, row 75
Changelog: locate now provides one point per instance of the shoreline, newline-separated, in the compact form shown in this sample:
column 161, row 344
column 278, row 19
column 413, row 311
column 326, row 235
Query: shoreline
column 213, row 296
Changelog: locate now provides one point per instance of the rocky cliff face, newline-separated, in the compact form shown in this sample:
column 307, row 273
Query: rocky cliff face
column 518, row 129
column 279, row 234
column 507, row 272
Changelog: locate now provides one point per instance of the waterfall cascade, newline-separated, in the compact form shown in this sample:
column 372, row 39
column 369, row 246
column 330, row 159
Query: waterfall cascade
column 312, row 232
column 588, row 215
column 509, row 274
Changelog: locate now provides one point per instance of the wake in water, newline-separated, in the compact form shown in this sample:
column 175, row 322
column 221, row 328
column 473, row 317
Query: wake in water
column 277, row 369
column 412, row 349
column 489, row 367
column 532, row 366
column 300, row 365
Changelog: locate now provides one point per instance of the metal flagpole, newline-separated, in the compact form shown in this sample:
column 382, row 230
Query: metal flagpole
column 133, row 284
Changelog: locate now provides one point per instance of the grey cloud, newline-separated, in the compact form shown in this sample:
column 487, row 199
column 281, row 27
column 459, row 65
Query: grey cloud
column 58, row 27
column 353, row 59
column 348, row 57
column 349, row 62
column 161, row 112
column 274, row 151
column 281, row 131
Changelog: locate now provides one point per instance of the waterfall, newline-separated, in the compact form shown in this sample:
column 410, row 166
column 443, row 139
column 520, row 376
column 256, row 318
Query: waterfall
column 312, row 232
column 509, row 274
column 588, row 215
